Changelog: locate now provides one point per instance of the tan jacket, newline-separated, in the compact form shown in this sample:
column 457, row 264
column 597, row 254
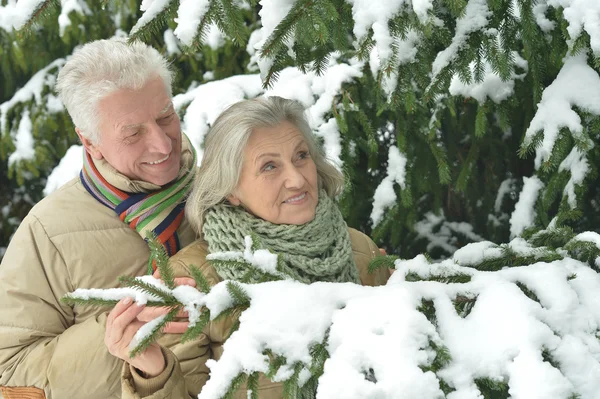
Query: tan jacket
column 69, row 240
column 186, row 372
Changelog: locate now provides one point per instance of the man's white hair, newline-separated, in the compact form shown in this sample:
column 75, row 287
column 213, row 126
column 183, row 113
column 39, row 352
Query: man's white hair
column 101, row 67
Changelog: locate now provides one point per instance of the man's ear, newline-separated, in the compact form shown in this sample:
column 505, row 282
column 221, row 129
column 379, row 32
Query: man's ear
column 233, row 200
column 90, row 147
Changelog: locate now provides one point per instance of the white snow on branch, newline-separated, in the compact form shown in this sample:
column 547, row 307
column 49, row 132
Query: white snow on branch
column 207, row 101
column 581, row 15
column 262, row 259
column 68, row 6
column 385, row 195
column 503, row 338
column 539, row 10
column 15, row 14
column 577, row 84
column 375, row 15
column 576, row 163
column 145, row 331
column 151, row 9
column 475, row 18
column 524, row 214
column 189, row 15
column 67, row 169
column 31, row 91
column 491, row 86
column 24, row 145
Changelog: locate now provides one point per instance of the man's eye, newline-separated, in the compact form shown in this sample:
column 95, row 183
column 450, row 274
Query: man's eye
column 166, row 118
column 134, row 133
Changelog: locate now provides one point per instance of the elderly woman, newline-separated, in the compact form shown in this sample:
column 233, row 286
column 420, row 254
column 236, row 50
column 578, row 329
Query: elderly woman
column 262, row 174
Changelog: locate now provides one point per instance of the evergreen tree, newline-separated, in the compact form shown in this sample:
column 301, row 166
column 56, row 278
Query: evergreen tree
column 443, row 135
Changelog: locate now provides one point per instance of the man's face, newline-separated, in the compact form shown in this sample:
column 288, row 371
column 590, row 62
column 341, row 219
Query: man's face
column 140, row 134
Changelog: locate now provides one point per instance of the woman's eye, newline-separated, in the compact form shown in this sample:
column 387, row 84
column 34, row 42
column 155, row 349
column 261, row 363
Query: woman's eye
column 303, row 154
column 268, row 167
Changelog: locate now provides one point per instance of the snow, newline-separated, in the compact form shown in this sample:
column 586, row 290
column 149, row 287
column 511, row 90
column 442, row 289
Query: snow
column 577, row 84
column 15, row 14
column 524, row 214
column 214, row 37
column 502, row 338
column 581, row 15
column 171, row 42
column 491, row 86
column 589, row 236
column 23, row 141
column 66, row 7
column 385, row 196
column 271, row 14
column 151, row 9
column 67, row 169
column 475, row 18
column 261, row 259
column 439, row 233
column 539, row 11
column 32, row 90
column 145, row 331
column 576, row 163
column 506, row 188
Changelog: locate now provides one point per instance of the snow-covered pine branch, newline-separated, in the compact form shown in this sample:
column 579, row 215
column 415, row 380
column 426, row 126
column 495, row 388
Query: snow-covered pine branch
column 435, row 330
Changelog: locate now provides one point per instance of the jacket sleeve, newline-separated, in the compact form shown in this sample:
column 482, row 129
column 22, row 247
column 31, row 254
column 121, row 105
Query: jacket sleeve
column 185, row 373
column 41, row 345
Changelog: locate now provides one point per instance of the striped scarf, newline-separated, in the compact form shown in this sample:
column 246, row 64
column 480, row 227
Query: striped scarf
column 160, row 211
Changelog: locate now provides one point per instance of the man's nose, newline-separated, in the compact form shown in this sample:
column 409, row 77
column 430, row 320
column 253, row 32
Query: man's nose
column 159, row 140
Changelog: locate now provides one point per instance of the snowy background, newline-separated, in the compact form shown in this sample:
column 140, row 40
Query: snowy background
column 532, row 329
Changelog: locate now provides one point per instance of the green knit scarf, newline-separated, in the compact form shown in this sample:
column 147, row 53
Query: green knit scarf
column 319, row 250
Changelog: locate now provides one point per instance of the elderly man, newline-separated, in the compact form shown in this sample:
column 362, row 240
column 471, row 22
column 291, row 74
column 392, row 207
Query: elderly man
column 138, row 168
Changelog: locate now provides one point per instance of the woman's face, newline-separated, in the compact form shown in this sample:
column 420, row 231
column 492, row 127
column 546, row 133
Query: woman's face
column 278, row 182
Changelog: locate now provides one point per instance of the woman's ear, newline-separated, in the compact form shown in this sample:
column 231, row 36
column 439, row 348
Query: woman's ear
column 233, row 200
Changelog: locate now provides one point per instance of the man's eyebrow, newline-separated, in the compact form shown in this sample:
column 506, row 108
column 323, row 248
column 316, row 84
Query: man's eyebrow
column 166, row 109
column 137, row 125
column 130, row 127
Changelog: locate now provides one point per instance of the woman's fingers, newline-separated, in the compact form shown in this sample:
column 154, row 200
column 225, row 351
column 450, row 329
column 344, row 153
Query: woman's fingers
column 176, row 327
column 185, row 281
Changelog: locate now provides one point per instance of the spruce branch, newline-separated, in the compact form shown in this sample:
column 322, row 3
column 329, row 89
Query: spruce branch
column 235, row 385
column 159, row 255
column 150, row 289
column 194, row 331
column 70, row 300
column 252, row 384
column 156, row 331
column 382, row 261
column 291, row 387
column 238, row 294
column 201, row 282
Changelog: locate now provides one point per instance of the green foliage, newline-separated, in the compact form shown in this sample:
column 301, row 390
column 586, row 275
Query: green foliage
column 202, row 283
column 492, row 389
column 156, row 332
column 158, row 256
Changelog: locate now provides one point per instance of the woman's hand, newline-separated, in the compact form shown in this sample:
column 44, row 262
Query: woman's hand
column 121, row 326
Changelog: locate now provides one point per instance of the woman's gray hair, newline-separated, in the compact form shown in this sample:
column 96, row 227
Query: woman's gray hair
column 224, row 146
column 102, row 67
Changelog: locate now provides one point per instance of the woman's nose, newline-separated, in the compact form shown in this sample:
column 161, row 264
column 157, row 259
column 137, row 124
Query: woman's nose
column 293, row 177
